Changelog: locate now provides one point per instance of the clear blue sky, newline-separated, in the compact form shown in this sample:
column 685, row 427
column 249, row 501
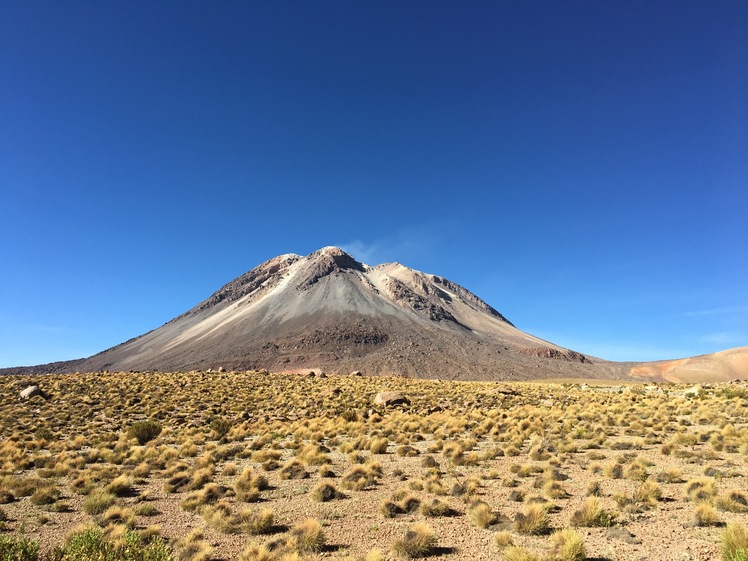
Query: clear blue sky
column 581, row 166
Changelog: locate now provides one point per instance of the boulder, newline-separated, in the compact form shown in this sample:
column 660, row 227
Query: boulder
column 391, row 398
column 31, row 391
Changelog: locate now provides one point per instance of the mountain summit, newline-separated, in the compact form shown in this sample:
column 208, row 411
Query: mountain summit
column 327, row 311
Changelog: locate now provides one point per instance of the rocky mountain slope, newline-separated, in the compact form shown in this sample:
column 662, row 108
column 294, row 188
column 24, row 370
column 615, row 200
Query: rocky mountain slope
column 328, row 312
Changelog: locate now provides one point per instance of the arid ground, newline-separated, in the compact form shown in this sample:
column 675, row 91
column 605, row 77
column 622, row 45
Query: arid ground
column 254, row 465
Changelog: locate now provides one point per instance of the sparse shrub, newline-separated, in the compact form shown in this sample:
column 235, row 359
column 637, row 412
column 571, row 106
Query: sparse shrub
column 389, row 509
column 145, row 431
column 407, row 451
column 670, row 475
column 18, row 548
column 647, row 494
column 146, row 509
column 419, row 541
column 199, row 478
column 221, row 426
column 121, row 545
column 613, row 471
column 221, row 517
column 209, row 494
column 554, row 490
column 6, row 497
column 359, row 477
column 312, row 455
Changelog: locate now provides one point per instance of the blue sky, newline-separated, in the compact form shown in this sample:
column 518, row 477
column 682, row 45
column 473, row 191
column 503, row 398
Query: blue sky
column 581, row 166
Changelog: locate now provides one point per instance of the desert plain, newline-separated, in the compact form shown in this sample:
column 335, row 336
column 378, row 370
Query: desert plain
column 197, row 466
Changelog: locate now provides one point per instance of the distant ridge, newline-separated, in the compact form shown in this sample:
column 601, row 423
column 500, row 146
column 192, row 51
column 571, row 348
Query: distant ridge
column 328, row 312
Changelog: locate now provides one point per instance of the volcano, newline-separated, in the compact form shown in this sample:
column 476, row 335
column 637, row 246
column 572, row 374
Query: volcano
column 328, row 312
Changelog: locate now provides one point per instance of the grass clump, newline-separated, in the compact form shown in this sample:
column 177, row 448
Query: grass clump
column 378, row 446
column 532, row 521
column 359, row 477
column 700, row 489
column 307, row 537
column 256, row 523
column 567, row 545
column 249, row 485
column 516, row 553
column 436, row 507
column 193, row 547
column 705, row 515
column 98, row 501
column 45, row 496
column 293, row 469
column 325, row 492
column 256, row 552
column 503, row 539
column 481, row 515
column 419, row 541
column 591, row 515
column 734, row 501
column 120, row 486
column 117, row 515
column 734, row 542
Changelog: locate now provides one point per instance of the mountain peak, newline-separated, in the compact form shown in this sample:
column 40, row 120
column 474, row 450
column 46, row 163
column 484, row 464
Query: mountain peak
column 324, row 262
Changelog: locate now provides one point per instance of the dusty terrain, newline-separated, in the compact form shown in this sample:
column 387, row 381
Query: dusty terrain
column 717, row 367
column 666, row 463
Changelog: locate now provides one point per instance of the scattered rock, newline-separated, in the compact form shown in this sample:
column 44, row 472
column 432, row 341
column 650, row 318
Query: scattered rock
column 622, row 534
column 391, row 398
column 548, row 352
column 31, row 391
column 356, row 373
